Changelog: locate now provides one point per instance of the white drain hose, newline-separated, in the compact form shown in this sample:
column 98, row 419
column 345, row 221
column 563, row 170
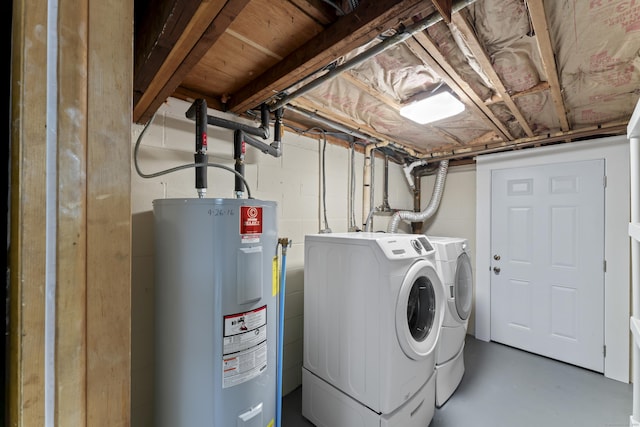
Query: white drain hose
column 432, row 207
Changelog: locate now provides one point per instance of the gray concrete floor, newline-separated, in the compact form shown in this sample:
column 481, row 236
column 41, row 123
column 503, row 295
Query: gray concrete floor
column 506, row 387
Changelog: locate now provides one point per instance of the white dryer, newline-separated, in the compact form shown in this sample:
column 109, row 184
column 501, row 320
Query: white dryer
column 373, row 310
column 454, row 265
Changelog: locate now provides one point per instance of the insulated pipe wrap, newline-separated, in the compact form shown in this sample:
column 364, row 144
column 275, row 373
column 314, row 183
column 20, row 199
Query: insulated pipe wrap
column 431, row 208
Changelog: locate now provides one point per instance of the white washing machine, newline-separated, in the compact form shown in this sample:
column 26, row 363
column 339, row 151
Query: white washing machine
column 373, row 310
column 454, row 265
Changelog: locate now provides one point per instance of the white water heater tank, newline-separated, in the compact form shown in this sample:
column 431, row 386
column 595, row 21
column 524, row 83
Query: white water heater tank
column 215, row 312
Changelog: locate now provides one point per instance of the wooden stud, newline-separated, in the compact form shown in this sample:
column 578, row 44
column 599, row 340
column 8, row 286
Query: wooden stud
column 71, row 280
column 27, row 257
column 109, row 213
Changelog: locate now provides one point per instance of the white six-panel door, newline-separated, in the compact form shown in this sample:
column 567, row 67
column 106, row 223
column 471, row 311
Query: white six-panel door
column 547, row 278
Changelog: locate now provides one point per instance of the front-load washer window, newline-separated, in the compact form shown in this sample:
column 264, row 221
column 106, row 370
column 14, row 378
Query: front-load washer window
column 463, row 288
column 421, row 308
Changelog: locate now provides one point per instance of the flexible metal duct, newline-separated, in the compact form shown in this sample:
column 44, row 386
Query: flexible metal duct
column 431, row 208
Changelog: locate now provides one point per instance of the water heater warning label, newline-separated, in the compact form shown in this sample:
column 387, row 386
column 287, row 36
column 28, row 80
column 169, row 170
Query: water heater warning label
column 244, row 351
column 250, row 221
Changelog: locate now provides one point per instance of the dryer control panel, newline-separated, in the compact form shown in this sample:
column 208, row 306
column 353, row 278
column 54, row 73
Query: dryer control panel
column 405, row 246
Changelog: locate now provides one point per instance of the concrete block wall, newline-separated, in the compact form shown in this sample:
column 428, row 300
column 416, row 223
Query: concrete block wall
column 293, row 181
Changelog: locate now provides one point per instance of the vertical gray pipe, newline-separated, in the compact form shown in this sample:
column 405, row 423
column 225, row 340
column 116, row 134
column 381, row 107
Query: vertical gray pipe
column 372, row 208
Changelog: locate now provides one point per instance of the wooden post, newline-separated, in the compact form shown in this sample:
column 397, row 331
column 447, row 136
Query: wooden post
column 109, row 213
column 70, row 247
column 27, row 247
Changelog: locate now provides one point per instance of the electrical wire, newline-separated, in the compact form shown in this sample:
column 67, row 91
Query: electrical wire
column 324, row 181
column 352, row 188
column 181, row 167
column 320, row 131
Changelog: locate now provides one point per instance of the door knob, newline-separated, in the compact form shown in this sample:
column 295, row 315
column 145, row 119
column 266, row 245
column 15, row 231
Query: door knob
column 496, row 270
column 496, row 257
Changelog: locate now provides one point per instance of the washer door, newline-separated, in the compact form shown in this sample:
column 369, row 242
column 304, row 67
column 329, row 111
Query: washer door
column 463, row 286
column 419, row 310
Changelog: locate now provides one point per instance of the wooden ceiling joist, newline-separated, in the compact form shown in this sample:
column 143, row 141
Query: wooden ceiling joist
column 386, row 100
column 540, row 87
column 617, row 128
column 425, row 49
column 159, row 31
column 460, row 21
column 450, row 138
column 310, row 106
column 349, row 32
column 204, row 27
column 541, row 28
column 316, row 9
column 444, row 7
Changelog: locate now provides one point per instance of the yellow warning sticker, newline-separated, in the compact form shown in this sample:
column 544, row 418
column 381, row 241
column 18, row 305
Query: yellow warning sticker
column 275, row 284
column 271, row 423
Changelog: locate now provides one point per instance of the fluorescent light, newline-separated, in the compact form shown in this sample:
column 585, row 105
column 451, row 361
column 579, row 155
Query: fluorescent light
column 432, row 108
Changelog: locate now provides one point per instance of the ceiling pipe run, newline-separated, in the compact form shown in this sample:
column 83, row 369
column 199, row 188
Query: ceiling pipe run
column 388, row 42
column 400, row 149
column 335, row 125
column 431, row 208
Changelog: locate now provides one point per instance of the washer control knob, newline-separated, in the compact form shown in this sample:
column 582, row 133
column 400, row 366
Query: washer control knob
column 417, row 246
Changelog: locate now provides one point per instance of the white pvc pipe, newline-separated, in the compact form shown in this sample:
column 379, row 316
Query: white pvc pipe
column 634, row 151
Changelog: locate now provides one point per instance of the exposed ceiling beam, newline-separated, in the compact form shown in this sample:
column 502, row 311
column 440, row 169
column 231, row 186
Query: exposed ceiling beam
column 586, row 134
column 205, row 26
column 370, row 19
column 395, row 105
column 444, row 7
column 386, row 100
column 452, row 139
column 426, row 50
column 308, row 105
column 540, row 87
column 460, row 21
column 316, row 9
column 541, row 28
column 189, row 95
column 155, row 36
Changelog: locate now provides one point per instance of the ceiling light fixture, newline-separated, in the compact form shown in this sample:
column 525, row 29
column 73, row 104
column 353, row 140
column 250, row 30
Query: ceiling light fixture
column 433, row 108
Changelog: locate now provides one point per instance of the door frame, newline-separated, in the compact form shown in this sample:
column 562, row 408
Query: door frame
column 617, row 204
